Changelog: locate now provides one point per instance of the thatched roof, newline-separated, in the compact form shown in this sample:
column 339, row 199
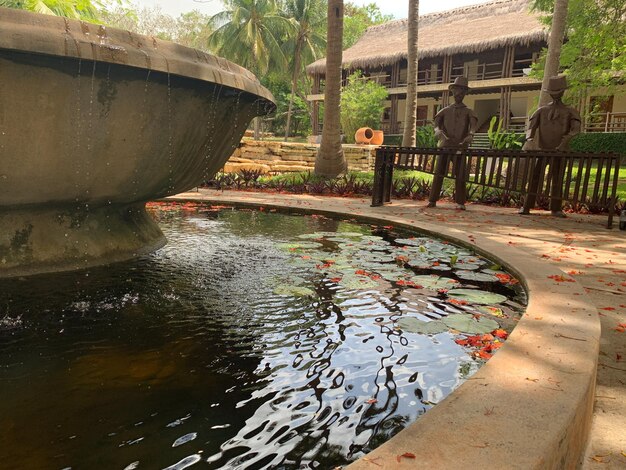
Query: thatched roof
column 470, row 29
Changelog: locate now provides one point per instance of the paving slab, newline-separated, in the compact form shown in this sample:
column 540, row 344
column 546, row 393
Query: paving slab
column 540, row 386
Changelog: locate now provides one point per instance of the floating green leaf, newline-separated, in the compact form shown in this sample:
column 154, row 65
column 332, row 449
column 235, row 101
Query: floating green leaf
column 434, row 282
column 295, row 291
column 474, row 276
column 353, row 282
column 298, row 246
column 476, row 296
column 413, row 325
column 470, row 325
column 410, row 241
column 489, row 310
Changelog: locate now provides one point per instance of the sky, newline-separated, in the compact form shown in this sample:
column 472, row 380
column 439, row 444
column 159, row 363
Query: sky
column 397, row 8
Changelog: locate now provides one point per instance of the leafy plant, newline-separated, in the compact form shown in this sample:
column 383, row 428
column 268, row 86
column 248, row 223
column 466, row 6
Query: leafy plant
column 425, row 136
column 600, row 142
column 362, row 104
column 502, row 139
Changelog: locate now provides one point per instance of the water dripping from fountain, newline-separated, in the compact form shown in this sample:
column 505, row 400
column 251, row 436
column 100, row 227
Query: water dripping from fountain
column 142, row 128
column 170, row 146
column 91, row 94
column 210, row 127
column 235, row 126
column 78, row 129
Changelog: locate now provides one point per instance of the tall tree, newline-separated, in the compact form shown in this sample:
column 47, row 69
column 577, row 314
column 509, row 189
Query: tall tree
column 76, row 9
column 358, row 18
column 555, row 43
column 248, row 32
column 305, row 42
column 330, row 160
column 410, row 116
column 595, row 51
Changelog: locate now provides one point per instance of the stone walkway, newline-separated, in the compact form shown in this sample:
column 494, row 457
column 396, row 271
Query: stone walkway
column 580, row 246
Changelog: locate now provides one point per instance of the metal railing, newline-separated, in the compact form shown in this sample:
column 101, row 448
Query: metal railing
column 588, row 179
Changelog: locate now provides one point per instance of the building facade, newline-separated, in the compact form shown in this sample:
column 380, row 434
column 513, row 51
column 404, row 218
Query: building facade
column 493, row 44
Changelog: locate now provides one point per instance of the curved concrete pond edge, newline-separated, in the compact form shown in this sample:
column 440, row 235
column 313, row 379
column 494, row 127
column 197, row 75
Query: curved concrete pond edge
column 529, row 406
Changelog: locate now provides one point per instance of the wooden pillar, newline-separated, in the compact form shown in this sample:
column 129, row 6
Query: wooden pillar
column 394, row 128
column 506, row 91
column 509, row 62
column 395, row 74
column 315, row 118
column 316, row 84
column 315, row 105
column 505, row 106
column 447, row 75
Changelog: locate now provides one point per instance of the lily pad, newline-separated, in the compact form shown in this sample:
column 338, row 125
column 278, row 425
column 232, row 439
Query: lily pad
column 312, row 236
column 298, row 246
column 477, row 296
column 292, row 280
column 295, row 291
column 470, row 325
column 474, row 276
column 489, row 310
column 410, row 241
column 353, row 282
column 413, row 325
column 434, row 282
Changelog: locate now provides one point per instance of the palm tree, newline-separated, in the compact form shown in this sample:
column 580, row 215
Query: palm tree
column 248, row 32
column 305, row 43
column 76, row 9
column 555, row 42
column 330, row 160
column 410, row 116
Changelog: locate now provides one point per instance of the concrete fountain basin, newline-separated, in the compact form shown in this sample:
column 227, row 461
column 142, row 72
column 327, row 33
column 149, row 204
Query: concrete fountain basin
column 96, row 121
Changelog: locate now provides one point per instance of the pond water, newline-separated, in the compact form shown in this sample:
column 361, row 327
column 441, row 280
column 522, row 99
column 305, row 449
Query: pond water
column 252, row 340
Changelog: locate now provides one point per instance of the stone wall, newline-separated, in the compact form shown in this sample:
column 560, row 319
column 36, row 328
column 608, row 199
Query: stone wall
column 282, row 157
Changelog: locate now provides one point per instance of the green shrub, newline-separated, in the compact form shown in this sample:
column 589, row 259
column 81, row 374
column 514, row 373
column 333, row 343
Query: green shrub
column 395, row 140
column 500, row 139
column 600, row 142
column 362, row 105
column 425, row 136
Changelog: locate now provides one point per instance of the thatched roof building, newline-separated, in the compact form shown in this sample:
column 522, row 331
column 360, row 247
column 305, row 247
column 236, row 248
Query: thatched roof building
column 470, row 29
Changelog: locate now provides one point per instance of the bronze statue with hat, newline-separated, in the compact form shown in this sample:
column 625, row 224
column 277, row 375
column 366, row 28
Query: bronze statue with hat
column 551, row 127
column 455, row 126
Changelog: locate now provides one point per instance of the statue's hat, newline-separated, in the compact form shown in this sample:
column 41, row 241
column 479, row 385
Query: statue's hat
column 460, row 82
column 556, row 84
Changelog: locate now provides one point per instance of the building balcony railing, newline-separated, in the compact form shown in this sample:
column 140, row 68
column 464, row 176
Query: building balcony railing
column 605, row 122
column 434, row 75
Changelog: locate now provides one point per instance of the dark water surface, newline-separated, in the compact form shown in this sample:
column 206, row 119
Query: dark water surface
column 192, row 355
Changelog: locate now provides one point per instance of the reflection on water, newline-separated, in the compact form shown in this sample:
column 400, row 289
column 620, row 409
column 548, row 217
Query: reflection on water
column 188, row 356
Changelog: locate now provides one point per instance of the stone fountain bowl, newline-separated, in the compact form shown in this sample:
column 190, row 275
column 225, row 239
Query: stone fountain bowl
column 96, row 121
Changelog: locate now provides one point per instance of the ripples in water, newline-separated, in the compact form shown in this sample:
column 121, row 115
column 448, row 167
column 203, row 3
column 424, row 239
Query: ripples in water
column 188, row 355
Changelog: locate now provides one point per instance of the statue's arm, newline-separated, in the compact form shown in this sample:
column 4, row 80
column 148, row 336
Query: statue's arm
column 438, row 120
column 533, row 124
column 574, row 129
column 472, row 126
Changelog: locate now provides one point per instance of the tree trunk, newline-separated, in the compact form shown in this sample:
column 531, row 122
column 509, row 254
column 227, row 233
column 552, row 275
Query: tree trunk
column 294, row 81
column 330, row 160
column 557, row 34
column 410, row 115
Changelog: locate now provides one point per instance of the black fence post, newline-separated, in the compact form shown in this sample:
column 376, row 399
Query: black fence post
column 383, row 174
column 377, row 190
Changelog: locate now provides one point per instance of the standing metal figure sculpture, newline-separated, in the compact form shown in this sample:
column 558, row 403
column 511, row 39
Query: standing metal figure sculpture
column 455, row 126
column 551, row 127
